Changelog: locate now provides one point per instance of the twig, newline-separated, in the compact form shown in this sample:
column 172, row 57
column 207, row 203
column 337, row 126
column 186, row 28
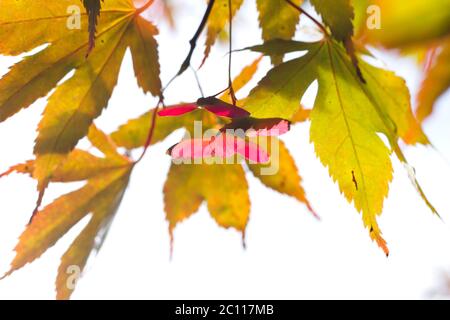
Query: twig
column 193, row 41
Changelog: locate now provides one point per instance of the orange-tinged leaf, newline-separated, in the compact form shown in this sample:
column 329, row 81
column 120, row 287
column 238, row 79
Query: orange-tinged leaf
column 81, row 165
column 278, row 20
column 76, row 257
column 103, row 143
column 106, row 181
column 24, row 168
column 78, row 166
column 91, row 238
column 55, row 220
column 301, row 115
column 222, row 186
column 436, row 82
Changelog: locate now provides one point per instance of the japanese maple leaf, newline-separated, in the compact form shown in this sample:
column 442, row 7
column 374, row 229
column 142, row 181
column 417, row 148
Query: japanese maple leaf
column 106, row 181
column 346, row 120
column 75, row 103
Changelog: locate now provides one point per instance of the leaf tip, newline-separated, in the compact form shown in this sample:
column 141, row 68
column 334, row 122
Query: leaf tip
column 376, row 236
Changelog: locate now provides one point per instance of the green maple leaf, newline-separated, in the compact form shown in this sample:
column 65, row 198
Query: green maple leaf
column 346, row 120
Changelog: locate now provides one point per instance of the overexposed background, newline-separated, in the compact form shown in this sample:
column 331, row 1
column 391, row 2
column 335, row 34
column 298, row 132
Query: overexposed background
column 289, row 254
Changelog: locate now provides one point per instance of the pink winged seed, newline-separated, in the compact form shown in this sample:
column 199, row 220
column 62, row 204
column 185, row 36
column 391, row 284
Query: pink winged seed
column 218, row 107
column 226, row 110
column 188, row 149
column 224, row 146
column 269, row 128
column 177, row 110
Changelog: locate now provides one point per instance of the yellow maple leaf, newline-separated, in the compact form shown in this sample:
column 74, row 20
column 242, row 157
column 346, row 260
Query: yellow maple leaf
column 80, row 99
column 106, row 180
column 223, row 187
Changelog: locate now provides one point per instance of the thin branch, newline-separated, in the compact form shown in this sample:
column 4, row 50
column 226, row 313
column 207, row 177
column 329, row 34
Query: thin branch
column 320, row 25
column 193, row 41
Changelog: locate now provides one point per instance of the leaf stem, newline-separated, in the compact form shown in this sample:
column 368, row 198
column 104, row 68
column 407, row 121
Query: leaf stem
column 197, row 79
column 151, row 130
column 316, row 22
column 144, row 7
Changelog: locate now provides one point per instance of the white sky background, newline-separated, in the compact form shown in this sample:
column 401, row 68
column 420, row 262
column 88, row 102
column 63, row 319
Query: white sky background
column 289, row 254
